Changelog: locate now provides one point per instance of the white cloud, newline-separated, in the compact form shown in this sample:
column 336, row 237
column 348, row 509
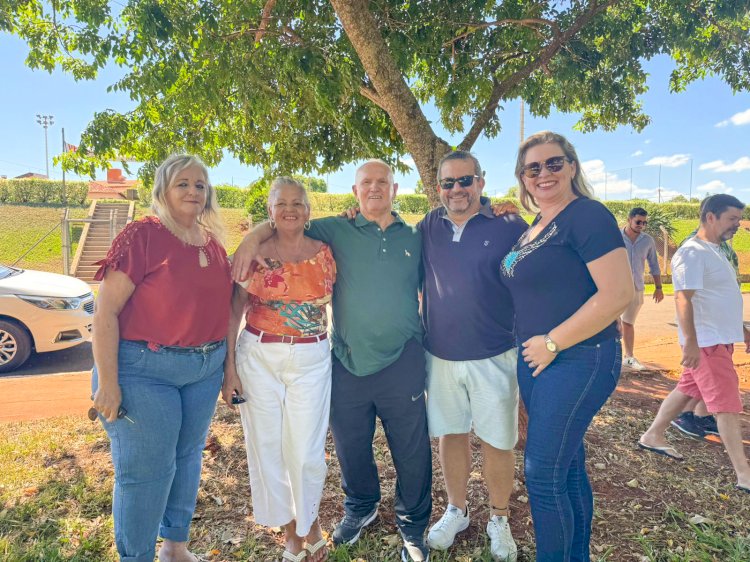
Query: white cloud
column 714, row 186
column 674, row 161
column 637, row 153
column 739, row 165
column 605, row 183
column 738, row 119
column 647, row 141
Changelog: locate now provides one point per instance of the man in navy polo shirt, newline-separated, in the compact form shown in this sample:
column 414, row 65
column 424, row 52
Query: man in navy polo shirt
column 471, row 355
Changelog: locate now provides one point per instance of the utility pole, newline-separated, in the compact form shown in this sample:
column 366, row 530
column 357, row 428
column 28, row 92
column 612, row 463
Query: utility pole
column 690, row 189
column 658, row 190
column 45, row 121
column 522, row 125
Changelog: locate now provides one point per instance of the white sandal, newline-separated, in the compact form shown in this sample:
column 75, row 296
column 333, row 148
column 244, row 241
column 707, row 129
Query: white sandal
column 312, row 549
column 299, row 557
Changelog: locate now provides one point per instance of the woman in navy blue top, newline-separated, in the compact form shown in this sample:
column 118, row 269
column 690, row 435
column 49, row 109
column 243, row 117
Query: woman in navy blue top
column 570, row 280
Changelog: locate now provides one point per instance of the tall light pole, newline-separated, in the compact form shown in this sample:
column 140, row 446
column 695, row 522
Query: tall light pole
column 45, row 121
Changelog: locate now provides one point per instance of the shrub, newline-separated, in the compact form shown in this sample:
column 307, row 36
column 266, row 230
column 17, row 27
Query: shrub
column 256, row 203
column 412, row 204
column 231, row 197
column 333, row 203
column 35, row 190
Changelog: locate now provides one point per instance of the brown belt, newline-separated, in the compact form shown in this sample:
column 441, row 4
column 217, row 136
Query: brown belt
column 265, row 337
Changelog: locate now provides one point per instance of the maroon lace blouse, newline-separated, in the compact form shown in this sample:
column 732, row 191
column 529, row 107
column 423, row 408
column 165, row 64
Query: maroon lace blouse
column 176, row 300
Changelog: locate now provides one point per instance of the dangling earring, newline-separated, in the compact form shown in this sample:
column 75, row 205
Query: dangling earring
column 272, row 223
column 308, row 224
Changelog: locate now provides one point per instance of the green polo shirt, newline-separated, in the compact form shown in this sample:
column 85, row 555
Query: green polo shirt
column 375, row 306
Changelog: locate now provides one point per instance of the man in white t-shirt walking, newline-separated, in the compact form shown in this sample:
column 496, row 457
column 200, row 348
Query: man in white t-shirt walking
column 709, row 318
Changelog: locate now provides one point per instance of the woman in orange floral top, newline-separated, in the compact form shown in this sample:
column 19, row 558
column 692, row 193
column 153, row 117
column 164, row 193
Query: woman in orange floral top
column 281, row 363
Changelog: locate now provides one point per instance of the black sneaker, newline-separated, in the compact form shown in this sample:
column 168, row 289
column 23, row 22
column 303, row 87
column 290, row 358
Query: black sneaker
column 688, row 424
column 414, row 550
column 350, row 527
column 708, row 423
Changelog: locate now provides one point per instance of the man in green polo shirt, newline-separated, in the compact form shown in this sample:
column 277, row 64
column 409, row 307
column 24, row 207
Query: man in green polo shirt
column 378, row 362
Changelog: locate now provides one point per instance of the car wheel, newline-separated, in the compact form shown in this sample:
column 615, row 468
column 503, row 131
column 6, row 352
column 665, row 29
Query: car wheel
column 15, row 346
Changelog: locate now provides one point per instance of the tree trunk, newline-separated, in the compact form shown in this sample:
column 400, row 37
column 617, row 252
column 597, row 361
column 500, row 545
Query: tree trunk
column 391, row 92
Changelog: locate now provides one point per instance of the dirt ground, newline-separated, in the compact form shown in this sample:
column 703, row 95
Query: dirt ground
column 37, row 397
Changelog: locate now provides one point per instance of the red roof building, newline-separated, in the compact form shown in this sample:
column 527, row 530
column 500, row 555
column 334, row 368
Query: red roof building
column 116, row 186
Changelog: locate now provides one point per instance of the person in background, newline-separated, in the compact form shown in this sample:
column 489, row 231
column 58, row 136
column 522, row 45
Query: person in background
column 641, row 248
column 282, row 364
column 159, row 344
column 570, row 281
column 709, row 318
column 695, row 420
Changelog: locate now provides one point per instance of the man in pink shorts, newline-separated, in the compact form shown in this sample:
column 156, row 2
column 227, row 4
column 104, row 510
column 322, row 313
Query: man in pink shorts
column 709, row 318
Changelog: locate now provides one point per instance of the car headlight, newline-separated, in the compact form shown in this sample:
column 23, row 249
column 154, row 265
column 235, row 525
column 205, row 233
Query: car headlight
column 53, row 303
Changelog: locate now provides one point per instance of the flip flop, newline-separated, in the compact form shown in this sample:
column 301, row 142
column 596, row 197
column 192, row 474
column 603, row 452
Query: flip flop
column 663, row 451
column 742, row 488
column 312, row 549
column 299, row 557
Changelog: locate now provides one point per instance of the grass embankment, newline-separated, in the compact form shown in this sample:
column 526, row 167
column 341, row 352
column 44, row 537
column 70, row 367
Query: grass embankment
column 23, row 226
column 56, row 478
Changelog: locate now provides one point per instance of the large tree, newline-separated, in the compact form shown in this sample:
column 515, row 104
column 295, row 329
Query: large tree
column 303, row 85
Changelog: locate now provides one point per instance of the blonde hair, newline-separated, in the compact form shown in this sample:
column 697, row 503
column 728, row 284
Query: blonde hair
column 581, row 186
column 164, row 179
column 278, row 183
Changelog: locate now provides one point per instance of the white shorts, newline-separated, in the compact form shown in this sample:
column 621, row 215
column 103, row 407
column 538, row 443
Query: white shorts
column 631, row 312
column 482, row 392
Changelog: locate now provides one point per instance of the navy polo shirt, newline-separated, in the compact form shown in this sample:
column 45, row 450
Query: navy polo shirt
column 467, row 312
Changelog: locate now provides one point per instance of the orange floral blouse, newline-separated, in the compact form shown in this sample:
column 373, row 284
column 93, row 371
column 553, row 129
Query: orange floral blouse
column 291, row 298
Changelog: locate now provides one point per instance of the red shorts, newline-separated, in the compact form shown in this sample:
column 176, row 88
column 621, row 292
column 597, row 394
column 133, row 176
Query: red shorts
column 714, row 381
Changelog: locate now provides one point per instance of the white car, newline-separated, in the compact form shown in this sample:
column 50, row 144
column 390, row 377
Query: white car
column 42, row 312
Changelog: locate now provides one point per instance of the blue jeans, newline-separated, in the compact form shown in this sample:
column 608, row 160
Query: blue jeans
column 561, row 402
column 170, row 397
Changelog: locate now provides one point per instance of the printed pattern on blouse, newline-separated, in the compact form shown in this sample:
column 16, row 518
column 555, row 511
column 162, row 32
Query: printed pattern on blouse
column 518, row 252
column 291, row 298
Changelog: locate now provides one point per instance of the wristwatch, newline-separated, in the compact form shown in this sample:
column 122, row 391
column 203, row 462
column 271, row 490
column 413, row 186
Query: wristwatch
column 551, row 346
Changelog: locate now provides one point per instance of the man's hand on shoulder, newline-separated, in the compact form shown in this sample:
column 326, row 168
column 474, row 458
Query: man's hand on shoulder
column 504, row 208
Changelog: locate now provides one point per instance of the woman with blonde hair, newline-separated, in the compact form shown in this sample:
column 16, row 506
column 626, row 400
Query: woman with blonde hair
column 570, row 279
column 159, row 345
column 282, row 362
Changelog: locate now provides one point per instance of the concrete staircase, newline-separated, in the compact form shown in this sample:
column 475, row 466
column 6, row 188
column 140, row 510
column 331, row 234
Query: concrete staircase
column 96, row 237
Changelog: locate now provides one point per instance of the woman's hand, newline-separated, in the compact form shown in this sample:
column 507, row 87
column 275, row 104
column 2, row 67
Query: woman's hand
column 107, row 402
column 231, row 386
column 536, row 354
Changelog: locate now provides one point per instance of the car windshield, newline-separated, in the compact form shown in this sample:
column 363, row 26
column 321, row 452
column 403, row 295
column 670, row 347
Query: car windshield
column 8, row 271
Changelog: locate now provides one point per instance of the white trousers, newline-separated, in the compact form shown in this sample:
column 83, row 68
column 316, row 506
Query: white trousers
column 285, row 420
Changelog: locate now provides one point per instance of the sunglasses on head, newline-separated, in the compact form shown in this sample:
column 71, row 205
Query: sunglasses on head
column 463, row 181
column 554, row 164
column 640, row 222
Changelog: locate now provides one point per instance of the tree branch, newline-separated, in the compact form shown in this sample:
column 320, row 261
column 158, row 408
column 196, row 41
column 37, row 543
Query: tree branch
column 501, row 88
column 532, row 23
column 372, row 95
column 265, row 17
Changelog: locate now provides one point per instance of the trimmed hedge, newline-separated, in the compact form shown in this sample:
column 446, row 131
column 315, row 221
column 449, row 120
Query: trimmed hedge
column 34, row 190
column 231, row 197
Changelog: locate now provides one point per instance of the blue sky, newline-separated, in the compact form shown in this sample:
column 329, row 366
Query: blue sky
column 703, row 132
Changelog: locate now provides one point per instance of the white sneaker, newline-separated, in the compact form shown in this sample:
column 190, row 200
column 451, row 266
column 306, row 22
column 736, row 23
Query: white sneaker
column 502, row 546
column 632, row 363
column 443, row 532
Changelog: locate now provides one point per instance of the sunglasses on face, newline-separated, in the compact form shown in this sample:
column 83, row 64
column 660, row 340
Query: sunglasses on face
column 554, row 164
column 463, row 181
column 640, row 222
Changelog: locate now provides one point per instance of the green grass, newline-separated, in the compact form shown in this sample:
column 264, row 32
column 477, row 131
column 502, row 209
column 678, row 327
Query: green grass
column 23, row 226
